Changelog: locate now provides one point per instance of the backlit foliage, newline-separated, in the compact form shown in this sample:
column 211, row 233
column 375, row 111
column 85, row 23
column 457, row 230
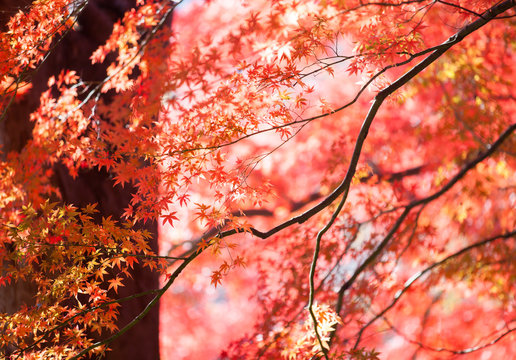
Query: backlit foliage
column 334, row 179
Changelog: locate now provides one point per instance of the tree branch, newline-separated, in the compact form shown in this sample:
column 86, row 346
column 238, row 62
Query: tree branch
column 472, row 164
column 418, row 275
column 313, row 267
column 141, row 315
column 456, row 352
column 379, row 99
column 343, row 188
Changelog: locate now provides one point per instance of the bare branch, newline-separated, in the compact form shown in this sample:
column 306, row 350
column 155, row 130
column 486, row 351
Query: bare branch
column 418, row 275
column 456, row 352
column 469, row 166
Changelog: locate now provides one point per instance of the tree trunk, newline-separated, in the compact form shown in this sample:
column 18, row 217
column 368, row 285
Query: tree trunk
column 91, row 186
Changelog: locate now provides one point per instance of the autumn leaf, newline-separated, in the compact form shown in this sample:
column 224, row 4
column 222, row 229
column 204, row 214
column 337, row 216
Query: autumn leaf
column 115, row 283
column 170, row 217
column 216, row 278
column 354, row 156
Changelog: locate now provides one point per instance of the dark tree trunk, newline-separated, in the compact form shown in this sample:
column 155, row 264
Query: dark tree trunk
column 73, row 52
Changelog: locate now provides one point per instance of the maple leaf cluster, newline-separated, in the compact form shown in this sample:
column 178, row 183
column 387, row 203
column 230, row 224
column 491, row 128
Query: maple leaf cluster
column 333, row 179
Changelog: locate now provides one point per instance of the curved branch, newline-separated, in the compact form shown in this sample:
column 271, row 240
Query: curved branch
column 469, row 166
column 141, row 315
column 421, row 273
column 346, row 183
column 83, row 312
column 379, row 99
column 313, row 267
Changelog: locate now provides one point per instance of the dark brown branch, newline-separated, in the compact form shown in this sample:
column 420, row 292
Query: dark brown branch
column 149, row 306
column 452, row 351
column 397, row 176
column 417, row 276
column 379, row 99
column 469, row 166
column 412, row 56
column 296, row 205
column 424, row 322
column 412, row 234
column 313, row 265
column 459, row 36
column 83, row 312
column 461, row 8
column 344, row 186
